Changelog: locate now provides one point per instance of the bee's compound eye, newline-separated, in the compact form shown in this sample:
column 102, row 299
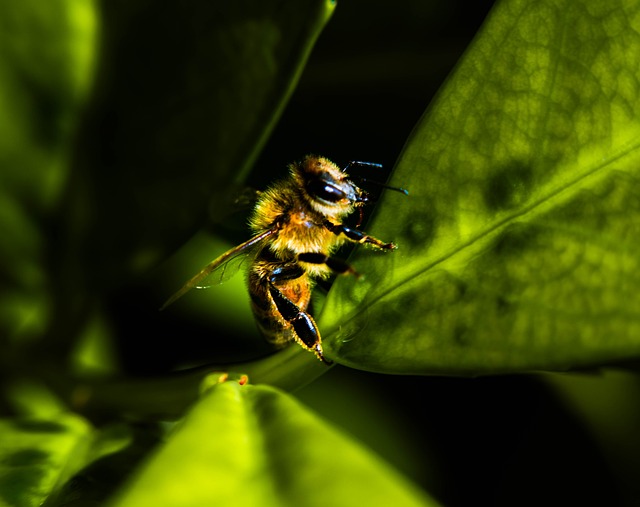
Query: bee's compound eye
column 325, row 191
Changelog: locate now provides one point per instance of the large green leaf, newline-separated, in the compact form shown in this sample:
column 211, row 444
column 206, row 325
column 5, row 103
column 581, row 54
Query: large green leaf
column 517, row 245
column 253, row 445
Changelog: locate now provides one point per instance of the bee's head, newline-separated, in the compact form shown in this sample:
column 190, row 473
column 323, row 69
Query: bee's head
column 326, row 187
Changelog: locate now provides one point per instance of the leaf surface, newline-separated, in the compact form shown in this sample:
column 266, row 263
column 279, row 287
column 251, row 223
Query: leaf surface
column 253, row 445
column 517, row 244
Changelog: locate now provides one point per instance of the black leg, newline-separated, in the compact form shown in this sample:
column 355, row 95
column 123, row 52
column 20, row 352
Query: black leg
column 286, row 272
column 303, row 324
column 358, row 236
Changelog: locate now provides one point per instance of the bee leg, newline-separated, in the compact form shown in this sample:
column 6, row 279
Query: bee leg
column 358, row 236
column 336, row 265
column 303, row 324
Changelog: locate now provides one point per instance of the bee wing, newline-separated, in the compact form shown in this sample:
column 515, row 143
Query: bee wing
column 219, row 263
column 226, row 270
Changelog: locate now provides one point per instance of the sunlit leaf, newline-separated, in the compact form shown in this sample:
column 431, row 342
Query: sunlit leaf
column 253, row 445
column 517, row 245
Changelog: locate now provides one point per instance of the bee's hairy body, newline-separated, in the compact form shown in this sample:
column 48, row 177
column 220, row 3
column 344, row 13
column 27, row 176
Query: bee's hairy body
column 301, row 227
column 298, row 226
column 309, row 228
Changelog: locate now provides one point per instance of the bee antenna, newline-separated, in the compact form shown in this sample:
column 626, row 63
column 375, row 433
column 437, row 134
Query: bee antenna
column 372, row 164
column 383, row 185
column 360, row 163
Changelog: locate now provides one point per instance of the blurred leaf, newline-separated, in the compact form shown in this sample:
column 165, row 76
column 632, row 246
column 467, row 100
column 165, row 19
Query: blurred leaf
column 187, row 95
column 115, row 453
column 517, row 245
column 37, row 455
column 46, row 58
column 253, row 445
column 63, row 460
column 166, row 397
column 31, row 399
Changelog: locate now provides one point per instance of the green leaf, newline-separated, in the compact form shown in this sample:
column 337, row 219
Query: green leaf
column 518, row 242
column 253, row 445
column 62, row 459
column 38, row 455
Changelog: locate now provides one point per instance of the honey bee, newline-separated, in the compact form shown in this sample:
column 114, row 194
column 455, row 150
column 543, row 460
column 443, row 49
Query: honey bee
column 298, row 226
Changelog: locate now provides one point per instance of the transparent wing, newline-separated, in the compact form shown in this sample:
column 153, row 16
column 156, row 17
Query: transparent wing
column 220, row 268
column 226, row 270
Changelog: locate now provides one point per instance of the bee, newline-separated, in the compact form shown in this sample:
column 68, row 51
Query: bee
column 298, row 225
